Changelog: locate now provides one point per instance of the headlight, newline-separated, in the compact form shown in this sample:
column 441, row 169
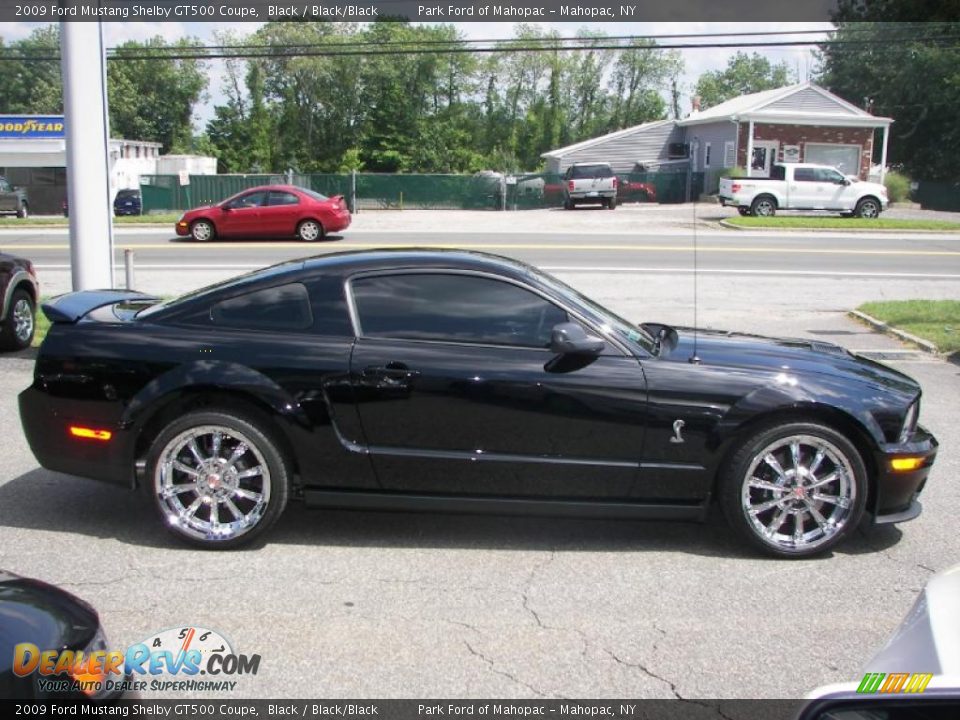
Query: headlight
column 910, row 421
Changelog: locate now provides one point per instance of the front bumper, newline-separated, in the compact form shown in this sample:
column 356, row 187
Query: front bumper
column 896, row 492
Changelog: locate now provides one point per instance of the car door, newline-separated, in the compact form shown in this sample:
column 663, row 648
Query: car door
column 279, row 216
column 834, row 190
column 241, row 216
column 458, row 393
column 804, row 191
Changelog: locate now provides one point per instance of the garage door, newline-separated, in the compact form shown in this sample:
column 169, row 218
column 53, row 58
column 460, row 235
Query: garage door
column 845, row 158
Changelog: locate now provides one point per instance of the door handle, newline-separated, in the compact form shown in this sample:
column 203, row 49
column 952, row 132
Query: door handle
column 394, row 371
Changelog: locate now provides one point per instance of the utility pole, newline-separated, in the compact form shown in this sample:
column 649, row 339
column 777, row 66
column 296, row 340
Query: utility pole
column 83, row 67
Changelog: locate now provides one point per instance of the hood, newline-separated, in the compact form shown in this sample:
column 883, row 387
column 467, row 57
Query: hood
column 796, row 355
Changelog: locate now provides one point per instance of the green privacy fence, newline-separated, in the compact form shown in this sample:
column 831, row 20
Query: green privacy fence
column 938, row 195
column 483, row 191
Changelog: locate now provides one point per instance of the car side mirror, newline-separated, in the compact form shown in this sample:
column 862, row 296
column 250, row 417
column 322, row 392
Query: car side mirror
column 845, row 181
column 570, row 339
column 226, row 208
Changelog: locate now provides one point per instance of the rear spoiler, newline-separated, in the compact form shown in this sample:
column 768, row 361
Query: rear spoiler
column 71, row 307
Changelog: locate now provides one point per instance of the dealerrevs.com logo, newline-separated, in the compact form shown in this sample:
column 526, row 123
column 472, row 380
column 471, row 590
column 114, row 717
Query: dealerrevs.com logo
column 894, row 682
column 170, row 660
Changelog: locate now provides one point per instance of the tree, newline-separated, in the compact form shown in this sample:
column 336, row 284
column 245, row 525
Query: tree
column 153, row 99
column 743, row 75
column 32, row 86
column 639, row 74
column 905, row 70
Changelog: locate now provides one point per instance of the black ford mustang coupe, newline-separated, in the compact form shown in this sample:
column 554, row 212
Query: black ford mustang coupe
column 457, row 381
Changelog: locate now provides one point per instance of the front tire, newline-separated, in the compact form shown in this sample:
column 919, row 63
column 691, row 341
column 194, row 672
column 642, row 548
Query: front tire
column 310, row 231
column 19, row 326
column 794, row 490
column 202, row 231
column 764, row 206
column 217, row 479
column 867, row 208
column 24, row 211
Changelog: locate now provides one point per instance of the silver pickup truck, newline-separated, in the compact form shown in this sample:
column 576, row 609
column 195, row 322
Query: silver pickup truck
column 13, row 200
column 590, row 183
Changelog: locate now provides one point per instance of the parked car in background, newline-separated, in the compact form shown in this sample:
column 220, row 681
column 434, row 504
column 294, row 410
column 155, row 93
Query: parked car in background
column 460, row 382
column 13, row 199
column 268, row 211
column 636, row 191
column 803, row 186
column 590, row 183
column 128, row 202
column 19, row 291
column 915, row 676
column 52, row 619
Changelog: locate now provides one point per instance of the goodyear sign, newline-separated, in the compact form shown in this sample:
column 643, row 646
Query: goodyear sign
column 28, row 127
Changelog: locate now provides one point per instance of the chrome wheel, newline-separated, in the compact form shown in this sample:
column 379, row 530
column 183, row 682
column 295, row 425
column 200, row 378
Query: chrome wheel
column 202, row 231
column 798, row 493
column 23, row 320
column 309, row 231
column 212, row 483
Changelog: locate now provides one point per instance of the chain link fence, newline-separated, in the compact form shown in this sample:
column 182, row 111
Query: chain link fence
column 373, row 191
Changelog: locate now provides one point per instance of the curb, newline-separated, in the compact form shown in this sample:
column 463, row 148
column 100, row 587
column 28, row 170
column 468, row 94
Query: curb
column 924, row 345
column 891, row 231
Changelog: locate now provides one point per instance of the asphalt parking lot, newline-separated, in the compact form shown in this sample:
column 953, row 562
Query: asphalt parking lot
column 348, row 604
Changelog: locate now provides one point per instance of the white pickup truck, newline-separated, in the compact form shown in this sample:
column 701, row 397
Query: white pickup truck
column 802, row 186
column 590, row 183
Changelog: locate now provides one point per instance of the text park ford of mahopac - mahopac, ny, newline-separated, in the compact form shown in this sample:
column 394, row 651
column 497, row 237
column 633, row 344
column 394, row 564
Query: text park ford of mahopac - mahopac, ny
column 801, row 186
column 457, row 381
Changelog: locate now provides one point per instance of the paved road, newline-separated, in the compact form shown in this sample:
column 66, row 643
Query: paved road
column 918, row 256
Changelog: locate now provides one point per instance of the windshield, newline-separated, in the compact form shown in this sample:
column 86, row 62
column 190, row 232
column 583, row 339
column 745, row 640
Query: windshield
column 578, row 172
column 314, row 195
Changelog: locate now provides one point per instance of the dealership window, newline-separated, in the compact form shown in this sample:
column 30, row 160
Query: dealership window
column 729, row 154
column 706, row 155
column 846, row 158
column 454, row 308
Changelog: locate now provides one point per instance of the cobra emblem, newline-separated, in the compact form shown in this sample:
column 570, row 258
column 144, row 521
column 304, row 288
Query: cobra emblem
column 677, row 427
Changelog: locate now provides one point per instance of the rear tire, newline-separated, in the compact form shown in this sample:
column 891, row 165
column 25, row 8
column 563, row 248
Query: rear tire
column 794, row 490
column 612, row 203
column 217, row 479
column 763, row 206
column 19, row 326
column 202, row 231
column 24, row 211
column 310, row 231
column 568, row 204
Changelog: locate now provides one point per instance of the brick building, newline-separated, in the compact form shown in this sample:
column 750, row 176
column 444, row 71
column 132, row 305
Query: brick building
column 798, row 123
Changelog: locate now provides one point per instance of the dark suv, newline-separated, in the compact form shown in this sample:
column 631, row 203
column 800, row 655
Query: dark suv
column 19, row 291
column 13, row 199
column 127, row 202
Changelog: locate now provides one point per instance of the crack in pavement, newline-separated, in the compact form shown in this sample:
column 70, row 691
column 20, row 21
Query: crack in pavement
column 647, row 671
column 502, row 673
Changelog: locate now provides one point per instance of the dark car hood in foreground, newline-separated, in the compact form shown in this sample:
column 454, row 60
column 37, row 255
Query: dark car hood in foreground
column 35, row 612
column 793, row 355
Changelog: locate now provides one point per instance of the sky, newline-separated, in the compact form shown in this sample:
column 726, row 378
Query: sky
column 798, row 59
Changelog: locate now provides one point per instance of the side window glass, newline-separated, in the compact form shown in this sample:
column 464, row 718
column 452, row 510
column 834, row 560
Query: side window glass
column 283, row 198
column 454, row 308
column 286, row 307
column 804, row 175
column 249, row 200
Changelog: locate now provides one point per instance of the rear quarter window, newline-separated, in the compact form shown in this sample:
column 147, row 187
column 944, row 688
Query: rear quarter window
column 283, row 308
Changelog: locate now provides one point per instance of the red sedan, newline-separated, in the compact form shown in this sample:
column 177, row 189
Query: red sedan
column 269, row 211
